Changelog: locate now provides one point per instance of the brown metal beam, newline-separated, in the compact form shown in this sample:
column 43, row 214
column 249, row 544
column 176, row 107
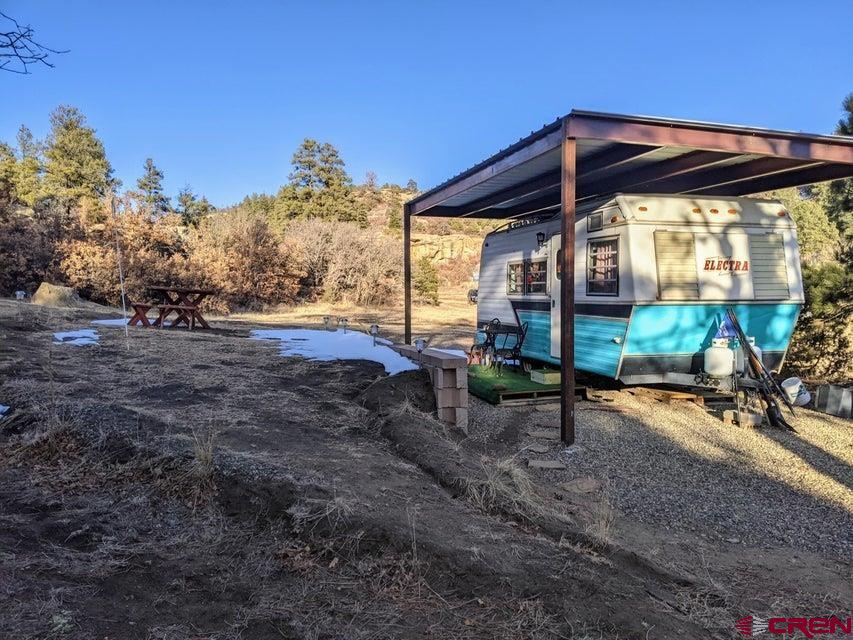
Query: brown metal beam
column 796, row 178
column 610, row 158
column 627, row 180
column 622, row 182
column 536, row 147
column 708, row 137
column 546, row 181
column 703, row 180
column 407, row 275
column 567, row 291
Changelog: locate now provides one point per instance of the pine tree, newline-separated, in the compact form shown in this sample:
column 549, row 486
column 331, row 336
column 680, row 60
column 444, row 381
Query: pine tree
column 412, row 186
column 425, row 280
column 837, row 196
column 258, row 203
column 151, row 186
column 395, row 213
column 28, row 168
column 319, row 187
column 76, row 164
column 8, row 173
column 191, row 208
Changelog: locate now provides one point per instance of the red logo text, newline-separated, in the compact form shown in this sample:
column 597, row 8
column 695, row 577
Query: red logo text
column 808, row 627
column 726, row 264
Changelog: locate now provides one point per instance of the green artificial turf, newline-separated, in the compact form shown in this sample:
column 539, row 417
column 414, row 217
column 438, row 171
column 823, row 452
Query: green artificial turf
column 485, row 383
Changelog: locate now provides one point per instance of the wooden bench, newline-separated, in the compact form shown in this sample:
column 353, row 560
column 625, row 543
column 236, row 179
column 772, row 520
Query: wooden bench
column 140, row 313
column 186, row 314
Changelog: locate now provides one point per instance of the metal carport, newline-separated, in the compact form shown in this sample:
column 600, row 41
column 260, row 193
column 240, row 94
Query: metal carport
column 585, row 156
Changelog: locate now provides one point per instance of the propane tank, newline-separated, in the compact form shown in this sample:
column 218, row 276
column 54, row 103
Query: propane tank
column 740, row 358
column 719, row 359
column 740, row 355
column 755, row 347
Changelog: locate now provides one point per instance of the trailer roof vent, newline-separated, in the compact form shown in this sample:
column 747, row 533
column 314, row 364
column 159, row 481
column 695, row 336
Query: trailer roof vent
column 595, row 222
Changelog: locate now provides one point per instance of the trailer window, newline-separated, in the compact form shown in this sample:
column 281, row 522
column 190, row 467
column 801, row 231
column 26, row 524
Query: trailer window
column 602, row 274
column 514, row 278
column 536, row 279
column 527, row 277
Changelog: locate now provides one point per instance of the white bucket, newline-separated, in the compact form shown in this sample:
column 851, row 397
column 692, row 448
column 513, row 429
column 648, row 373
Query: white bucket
column 797, row 394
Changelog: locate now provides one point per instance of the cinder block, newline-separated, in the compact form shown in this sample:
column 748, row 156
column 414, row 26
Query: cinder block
column 455, row 416
column 443, row 359
column 445, row 378
column 447, row 414
column 462, row 377
column 451, row 398
column 405, row 350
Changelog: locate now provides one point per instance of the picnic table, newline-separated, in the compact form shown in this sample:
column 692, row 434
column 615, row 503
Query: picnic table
column 183, row 302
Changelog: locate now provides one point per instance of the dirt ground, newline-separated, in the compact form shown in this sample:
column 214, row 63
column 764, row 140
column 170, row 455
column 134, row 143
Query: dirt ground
column 177, row 485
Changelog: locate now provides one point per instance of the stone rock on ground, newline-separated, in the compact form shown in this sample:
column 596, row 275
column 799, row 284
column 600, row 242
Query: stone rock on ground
column 54, row 295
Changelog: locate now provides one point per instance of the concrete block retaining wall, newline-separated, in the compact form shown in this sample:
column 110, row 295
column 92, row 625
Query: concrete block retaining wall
column 449, row 375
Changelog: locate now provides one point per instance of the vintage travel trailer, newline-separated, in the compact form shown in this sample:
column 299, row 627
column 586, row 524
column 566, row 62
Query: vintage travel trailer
column 654, row 275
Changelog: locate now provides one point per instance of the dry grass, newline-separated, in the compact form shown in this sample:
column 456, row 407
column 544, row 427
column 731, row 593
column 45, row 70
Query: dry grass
column 506, row 488
column 203, row 447
column 312, row 516
column 602, row 518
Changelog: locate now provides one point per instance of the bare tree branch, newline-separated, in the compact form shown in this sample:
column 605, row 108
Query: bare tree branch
column 18, row 49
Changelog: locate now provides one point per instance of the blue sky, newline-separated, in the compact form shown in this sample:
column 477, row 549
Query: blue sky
column 221, row 93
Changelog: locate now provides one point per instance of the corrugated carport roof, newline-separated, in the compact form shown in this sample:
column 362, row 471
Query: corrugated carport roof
column 636, row 154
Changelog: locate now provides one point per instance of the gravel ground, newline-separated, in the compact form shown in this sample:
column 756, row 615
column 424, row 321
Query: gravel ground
column 676, row 467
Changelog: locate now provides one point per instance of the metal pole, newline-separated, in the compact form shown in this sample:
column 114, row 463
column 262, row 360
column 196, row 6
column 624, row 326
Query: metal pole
column 567, row 290
column 407, row 276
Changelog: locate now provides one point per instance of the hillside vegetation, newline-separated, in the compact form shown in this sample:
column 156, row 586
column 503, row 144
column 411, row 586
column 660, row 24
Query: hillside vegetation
column 65, row 219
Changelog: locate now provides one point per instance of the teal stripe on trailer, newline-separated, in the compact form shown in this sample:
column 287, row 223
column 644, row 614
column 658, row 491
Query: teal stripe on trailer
column 537, row 342
column 595, row 348
column 598, row 344
column 689, row 328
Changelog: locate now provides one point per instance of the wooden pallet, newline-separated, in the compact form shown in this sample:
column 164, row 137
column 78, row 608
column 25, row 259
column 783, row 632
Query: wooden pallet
column 528, row 397
column 549, row 396
column 667, row 396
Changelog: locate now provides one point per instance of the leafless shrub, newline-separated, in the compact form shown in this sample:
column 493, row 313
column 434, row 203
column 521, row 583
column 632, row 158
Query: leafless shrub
column 346, row 263
column 242, row 258
column 314, row 239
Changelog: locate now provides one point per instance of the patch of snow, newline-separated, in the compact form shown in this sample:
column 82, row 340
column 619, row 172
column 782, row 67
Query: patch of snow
column 335, row 345
column 110, row 322
column 453, row 352
column 3, row 409
column 78, row 338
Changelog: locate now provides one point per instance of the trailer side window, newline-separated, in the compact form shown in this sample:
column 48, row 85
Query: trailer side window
column 527, row 277
column 602, row 273
column 536, row 279
column 515, row 278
